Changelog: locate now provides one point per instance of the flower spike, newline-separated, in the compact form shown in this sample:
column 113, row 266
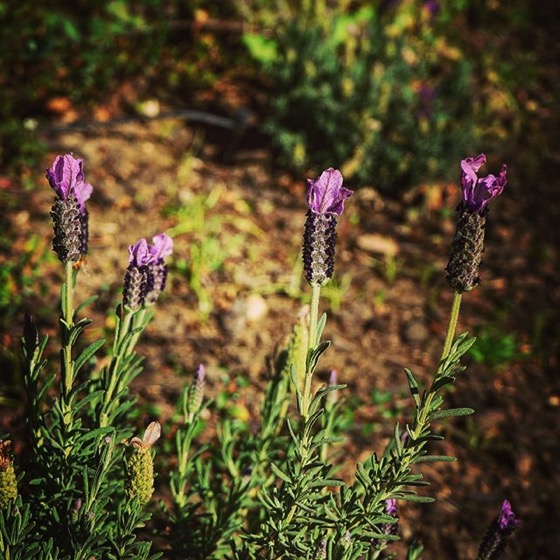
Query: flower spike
column 69, row 213
column 325, row 198
column 468, row 244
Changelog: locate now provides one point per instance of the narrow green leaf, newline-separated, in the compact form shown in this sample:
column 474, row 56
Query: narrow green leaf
column 85, row 303
column 434, row 458
column 449, row 412
column 280, row 474
column 441, row 382
column 416, row 498
column 315, row 354
column 321, row 325
column 87, row 353
column 413, row 386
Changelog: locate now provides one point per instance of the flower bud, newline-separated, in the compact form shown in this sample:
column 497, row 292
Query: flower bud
column 498, row 534
column 139, row 482
column 8, row 480
column 196, row 392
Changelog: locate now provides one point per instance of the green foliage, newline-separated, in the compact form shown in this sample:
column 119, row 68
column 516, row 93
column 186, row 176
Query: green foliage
column 383, row 94
column 496, row 348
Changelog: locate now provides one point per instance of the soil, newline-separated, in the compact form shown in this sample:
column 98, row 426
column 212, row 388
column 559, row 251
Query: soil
column 387, row 307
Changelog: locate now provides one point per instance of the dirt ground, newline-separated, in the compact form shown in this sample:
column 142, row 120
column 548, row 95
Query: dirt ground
column 388, row 309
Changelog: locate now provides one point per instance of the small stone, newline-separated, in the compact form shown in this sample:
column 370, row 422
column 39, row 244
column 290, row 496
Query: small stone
column 378, row 244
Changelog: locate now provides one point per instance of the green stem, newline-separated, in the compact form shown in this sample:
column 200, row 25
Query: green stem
column 452, row 325
column 311, row 345
column 68, row 318
column 110, row 379
column 451, row 328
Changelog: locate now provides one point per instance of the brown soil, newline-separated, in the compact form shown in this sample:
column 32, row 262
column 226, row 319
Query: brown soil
column 391, row 255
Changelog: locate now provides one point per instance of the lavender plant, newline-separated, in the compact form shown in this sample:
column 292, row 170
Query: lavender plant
column 79, row 497
column 268, row 493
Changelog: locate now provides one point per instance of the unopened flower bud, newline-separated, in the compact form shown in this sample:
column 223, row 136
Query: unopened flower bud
column 196, row 392
column 500, row 531
column 8, row 481
column 139, row 482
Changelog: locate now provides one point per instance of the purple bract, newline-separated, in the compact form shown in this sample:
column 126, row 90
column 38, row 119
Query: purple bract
column 139, row 254
column 507, row 519
column 142, row 254
column 66, row 177
column 326, row 195
column 479, row 191
column 162, row 247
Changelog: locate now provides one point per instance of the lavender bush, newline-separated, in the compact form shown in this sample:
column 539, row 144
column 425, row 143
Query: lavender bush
column 272, row 493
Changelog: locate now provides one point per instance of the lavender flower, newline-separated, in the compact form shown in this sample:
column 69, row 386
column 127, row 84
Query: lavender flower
column 501, row 529
column 136, row 276
column 146, row 274
column 325, row 198
column 69, row 214
column 391, row 509
column 468, row 244
column 196, row 393
column 157, row 269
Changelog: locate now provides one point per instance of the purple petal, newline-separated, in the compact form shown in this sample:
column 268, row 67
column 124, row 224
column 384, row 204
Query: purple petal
column 326, row 195
column 65, row 172
column 139, row 254
column 83, row 192
column 162, row 247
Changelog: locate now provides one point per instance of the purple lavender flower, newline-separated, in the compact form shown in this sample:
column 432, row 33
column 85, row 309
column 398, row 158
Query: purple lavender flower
column 69, row 213
column 391, row 509
column 468, row 244
column 479, row 191
column 432, row 7
column 326, row 195
column 325, row 198
column 146, row 274
column 500, row 531
column 157, row 269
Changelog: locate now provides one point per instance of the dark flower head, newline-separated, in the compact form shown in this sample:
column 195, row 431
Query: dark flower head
column 479, row 191
column 66, row 177
column 507, row 520
column 326, row 195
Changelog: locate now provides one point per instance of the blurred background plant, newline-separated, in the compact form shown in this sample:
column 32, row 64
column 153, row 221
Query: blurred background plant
column 387, row 89
column 378, row 88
